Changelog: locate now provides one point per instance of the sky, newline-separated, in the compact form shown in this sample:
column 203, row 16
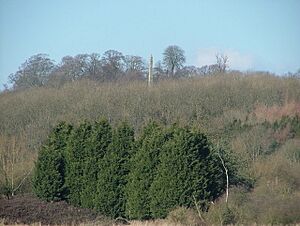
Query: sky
column 255, row 35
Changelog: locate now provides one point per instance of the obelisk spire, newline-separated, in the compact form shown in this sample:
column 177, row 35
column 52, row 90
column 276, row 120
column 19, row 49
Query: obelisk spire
column 150, row 73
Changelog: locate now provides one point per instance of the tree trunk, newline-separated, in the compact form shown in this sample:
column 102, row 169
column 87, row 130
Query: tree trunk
column 227, row 178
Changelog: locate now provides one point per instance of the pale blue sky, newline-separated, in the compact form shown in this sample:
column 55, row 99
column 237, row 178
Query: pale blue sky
column 256, row 34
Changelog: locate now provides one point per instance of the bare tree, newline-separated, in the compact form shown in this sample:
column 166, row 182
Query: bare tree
column 158, row 70
column 75, row 68
column 15, row 166
column 187, row 72
column 222, row 62
column 295, row 74
column 220, row 67
column 135, row 67
column 34, row 72
column 173, row 59
column 95, row 70
column 208, row 69
column 134, row 63
column 112, row 64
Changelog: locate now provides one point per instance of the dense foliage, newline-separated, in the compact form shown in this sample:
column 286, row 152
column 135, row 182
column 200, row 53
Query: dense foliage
column 184, row 171
column 76, row 155
column 49, row 177
column 112, row 178
column 99, row 141
column 142, row 171
column 91, row 166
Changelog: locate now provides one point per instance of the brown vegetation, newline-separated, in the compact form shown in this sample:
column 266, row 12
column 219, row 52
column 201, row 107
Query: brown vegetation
column 273, row 113
column 27, row 209
column 237, row 109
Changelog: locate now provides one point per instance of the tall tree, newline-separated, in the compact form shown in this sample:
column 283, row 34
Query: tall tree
column 173, row 59
column 143, row 169
column 34, row 72
column 76, row 155
column 183, row 173
column 95, row 69
column 222, row 62
column 49, row 174
column 134, row 67
column 74, row 68
column 98, row 144
column 112, row 64
column 112, row 177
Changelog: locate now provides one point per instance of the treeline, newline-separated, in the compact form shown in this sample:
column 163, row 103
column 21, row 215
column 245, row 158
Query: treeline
column 39, row 70
column 96, row 166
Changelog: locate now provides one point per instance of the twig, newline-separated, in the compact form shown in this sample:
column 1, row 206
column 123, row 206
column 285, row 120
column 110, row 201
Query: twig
column 14, row 190
column 198, row 209
column 227, row 178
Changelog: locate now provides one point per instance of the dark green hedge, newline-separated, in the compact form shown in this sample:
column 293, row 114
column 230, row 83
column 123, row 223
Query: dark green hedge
column 96, row 166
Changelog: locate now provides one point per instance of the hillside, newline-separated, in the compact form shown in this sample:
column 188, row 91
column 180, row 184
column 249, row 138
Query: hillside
column 254, row 116
column 225, row 98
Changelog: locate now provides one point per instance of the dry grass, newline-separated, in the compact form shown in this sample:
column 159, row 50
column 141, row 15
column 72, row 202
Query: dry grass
column 197, row 101
column 156, row 223
column 208, row 103
column 146, row 223
column 276, row 112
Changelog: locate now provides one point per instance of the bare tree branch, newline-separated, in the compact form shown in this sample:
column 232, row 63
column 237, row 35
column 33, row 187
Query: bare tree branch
column 227, row 177
column 198, row 209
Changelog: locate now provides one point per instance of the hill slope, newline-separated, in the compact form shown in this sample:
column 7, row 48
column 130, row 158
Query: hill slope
column 255, row 116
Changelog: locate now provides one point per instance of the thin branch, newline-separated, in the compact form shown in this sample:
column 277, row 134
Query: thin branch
column 227, row 178
column 198, row 209
column 14, row 190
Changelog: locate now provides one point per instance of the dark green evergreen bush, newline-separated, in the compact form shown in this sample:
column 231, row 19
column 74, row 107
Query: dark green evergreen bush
column 98, row 143
column 97, row 167
column 112, row 177
column 49, row 174
column 76, row 154
column 143, row 168
column 185, row 173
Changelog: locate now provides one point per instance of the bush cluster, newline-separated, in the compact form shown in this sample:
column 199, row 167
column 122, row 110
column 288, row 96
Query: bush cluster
column 96, row 166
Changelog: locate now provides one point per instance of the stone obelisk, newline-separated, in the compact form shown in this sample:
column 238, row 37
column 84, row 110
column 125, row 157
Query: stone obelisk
column 150, row 72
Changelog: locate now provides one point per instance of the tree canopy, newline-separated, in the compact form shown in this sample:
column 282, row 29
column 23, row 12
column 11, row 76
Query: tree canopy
column 39, row 70
column 173, row 59
column 34, row 72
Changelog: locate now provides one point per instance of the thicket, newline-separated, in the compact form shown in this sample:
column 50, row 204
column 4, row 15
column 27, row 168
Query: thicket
column 16, row 164
column 208, row 103
column 95, row 166
column 255, row 115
